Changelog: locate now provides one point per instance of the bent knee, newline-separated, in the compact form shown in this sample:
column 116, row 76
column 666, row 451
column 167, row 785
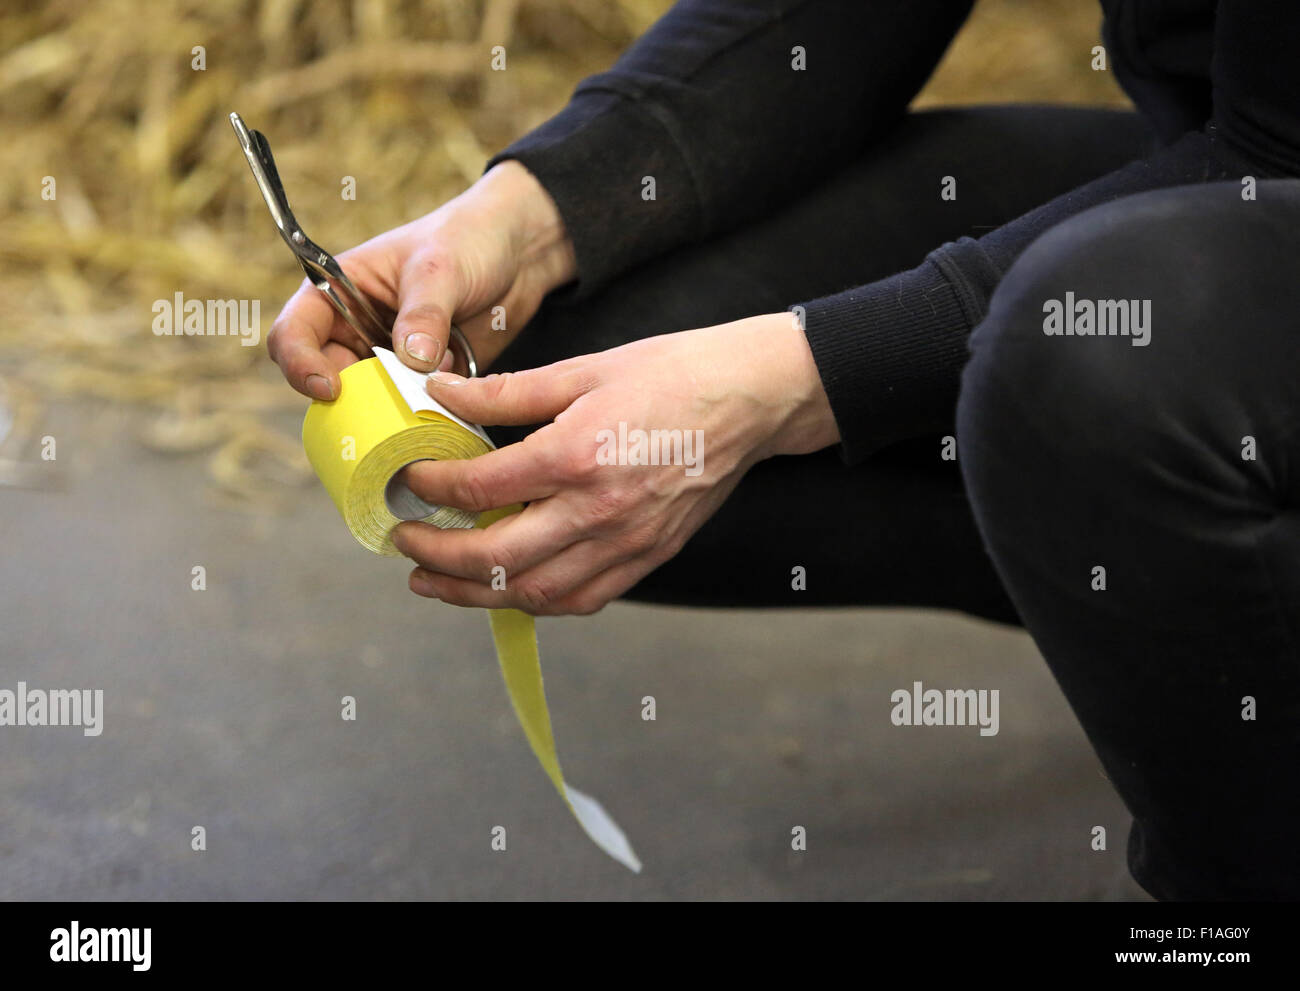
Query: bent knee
column 1160, row 312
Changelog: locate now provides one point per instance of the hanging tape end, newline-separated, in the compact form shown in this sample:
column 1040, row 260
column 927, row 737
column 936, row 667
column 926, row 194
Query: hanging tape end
column 603, row 830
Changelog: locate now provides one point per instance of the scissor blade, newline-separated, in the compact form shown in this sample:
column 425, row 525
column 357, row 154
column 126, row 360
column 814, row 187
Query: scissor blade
column 321, row 268
column 257, row 150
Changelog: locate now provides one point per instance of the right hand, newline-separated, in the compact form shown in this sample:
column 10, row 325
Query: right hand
column 499, row 243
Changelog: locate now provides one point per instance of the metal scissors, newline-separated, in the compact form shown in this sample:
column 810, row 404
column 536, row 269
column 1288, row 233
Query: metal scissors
column 320, row 266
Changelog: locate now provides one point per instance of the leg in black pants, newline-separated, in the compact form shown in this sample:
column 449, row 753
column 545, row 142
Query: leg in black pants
column 1076, row 452
column 1176, row 467
column 896, row 531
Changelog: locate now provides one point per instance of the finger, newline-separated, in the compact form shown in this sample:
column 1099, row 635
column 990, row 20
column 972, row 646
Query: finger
column 296, row 343
column 609, row 585
column 427, row 297
column 495, row 326
column 517, row 473
column 535, row 395
column 478, row 327
column 538, row 591
column 339, row 356
column 567, row 592
column 514, row 544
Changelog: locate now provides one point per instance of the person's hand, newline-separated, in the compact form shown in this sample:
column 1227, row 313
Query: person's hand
column 501, row 243
column 729, row 395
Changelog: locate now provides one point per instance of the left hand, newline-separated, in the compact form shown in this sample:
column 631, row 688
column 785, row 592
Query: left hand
column 591, row 530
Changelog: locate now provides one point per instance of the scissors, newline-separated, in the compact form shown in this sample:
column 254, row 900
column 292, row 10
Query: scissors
column 323, row 271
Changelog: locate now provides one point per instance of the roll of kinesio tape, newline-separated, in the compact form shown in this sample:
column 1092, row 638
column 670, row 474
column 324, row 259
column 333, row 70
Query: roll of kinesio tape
column 384, row 420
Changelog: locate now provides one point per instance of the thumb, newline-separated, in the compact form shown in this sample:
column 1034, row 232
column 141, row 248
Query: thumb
column 535, row 395
column 427, row 297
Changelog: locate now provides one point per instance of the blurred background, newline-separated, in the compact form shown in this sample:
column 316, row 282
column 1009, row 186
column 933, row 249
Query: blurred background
column 222, row 704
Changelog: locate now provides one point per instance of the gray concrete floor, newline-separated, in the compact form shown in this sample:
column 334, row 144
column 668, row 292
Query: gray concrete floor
column 223, row 710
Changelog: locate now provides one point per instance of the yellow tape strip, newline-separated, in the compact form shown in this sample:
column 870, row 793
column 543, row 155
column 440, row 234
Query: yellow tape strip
column 381, row 422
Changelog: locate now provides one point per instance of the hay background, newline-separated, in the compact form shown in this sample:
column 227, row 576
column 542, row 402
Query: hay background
column 153, row 196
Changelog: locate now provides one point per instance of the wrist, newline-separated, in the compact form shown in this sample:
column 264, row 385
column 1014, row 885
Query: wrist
column 538, row 235
column 805, row 422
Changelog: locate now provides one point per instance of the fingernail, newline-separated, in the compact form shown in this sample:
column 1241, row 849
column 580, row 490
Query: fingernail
column 446, row 378
column 422, row 586
column 398, row 535
column 319, row 386
column 421, row 346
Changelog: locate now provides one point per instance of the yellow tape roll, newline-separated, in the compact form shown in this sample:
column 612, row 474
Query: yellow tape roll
column 381, row 422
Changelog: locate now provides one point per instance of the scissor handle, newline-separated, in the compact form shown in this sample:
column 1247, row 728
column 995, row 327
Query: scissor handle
column 321, row 268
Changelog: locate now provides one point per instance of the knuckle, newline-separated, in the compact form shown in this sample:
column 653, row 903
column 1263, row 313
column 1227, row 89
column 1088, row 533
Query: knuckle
column 496, row 385
column 470, row 492
column 358, row 263
column 580, row 374
column 586, row 379
column 607, row 506
column 586, row 604
column 354, row 262
column 575, row 462
column 425, row 312
column 636, row 541
column 274, row 337
column 535, row 594
column 454, row 595
column 673, row 546
column 296, row 362
column 496, row 555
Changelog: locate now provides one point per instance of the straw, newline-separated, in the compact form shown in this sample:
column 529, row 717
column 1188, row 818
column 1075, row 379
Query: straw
column 153, row 197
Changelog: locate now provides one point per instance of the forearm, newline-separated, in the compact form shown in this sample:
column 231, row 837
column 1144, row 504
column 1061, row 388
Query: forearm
column 724, row 110
column 890, row 353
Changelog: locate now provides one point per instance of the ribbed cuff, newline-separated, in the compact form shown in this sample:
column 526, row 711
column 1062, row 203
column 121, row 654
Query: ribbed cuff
column 594, row 158
column 890, row 356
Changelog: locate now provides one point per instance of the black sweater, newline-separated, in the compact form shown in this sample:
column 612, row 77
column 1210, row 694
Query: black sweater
column 706, row 102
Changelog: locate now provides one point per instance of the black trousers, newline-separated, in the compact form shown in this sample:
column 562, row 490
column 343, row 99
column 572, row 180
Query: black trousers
column 1132, row 506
